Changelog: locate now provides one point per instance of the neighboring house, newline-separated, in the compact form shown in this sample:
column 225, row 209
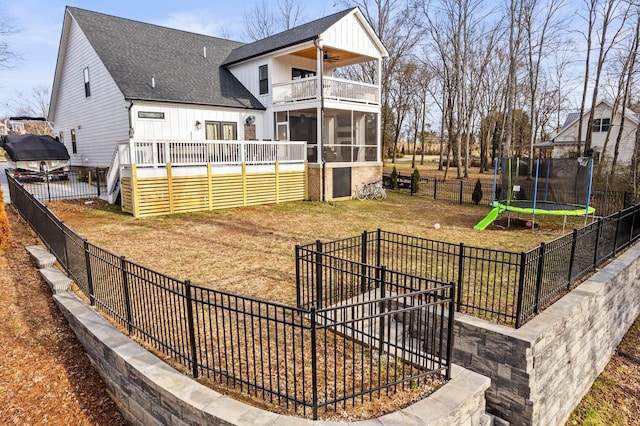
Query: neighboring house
column 121, row 80
column 565, row 142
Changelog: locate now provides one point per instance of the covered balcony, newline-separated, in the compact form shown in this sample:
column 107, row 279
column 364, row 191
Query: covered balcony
column 337, row 89
column 318, row 72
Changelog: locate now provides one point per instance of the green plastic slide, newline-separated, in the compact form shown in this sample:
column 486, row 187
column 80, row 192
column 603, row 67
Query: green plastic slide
column 493, row 215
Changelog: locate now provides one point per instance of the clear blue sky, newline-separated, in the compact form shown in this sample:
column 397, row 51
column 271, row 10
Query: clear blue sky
column 39, row 25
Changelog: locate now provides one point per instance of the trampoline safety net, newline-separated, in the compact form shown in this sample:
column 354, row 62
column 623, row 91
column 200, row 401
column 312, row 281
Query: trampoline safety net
column 557, row 181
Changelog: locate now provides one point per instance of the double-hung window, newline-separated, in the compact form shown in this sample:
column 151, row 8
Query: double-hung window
column 601, row 124
column 263, row 79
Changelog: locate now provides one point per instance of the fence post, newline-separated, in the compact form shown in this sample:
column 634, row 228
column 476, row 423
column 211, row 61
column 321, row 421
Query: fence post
column 633, row 224
column 383, row 273
column 461, row 184
column 624, row 200
column 192, row 329
column 125, row 288
column 98, row 180
column 363, row 261
column 47, row 179
column 615, row 238
column 64, row 246
column 539, row 276
column 572, row 259
column 319, row 274
column 314, row 364
column 298, row 292
column 460, row 274
column 379, row 248
column 520, row 301
column 87, row 262
column 435, row 188
column 452, row 295
column 595, row 250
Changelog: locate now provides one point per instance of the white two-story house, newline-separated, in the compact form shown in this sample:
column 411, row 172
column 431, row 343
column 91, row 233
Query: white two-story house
column 131, row 95
column 605, row 125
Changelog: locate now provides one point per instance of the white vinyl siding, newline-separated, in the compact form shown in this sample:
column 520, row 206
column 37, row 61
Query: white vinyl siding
column 603, row 111
column 99, row 120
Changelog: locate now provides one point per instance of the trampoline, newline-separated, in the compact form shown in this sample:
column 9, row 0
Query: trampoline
column 560, row 187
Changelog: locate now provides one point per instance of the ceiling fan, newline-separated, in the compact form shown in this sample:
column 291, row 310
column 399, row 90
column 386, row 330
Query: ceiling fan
column 330, row 58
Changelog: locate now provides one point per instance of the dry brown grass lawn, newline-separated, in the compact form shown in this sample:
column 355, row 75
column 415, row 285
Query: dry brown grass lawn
column 250, row 251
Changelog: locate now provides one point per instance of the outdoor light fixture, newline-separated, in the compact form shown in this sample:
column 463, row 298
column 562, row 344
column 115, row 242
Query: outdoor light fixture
column 198, row 125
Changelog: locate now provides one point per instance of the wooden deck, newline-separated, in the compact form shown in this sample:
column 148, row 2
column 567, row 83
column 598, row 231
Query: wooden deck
column 210, row 175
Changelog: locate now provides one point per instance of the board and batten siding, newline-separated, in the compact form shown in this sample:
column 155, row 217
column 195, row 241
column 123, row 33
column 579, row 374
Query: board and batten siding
column 349, row 34
column 247, row 74
column 179, row 122
column 100, row 119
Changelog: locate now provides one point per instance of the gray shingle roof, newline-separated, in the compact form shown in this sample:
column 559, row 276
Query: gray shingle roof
column 134, row 52
column 300, row 34
column 571, row 117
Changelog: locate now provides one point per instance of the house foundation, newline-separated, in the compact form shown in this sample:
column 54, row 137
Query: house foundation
column 336, row 181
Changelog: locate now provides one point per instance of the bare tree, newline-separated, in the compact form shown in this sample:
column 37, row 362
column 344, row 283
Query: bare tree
column 609, row 17
column 461, row 43
column 515, row 14
column 401, row 93
column 7, row 56
column 397, row 26
column 421, row 81
column 591, row 6
column 35, row 103
column 263, row 20
column 630, row 65
column 541, row 31
column 562, row 61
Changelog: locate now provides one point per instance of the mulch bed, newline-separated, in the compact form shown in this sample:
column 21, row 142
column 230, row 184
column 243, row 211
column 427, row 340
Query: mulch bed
column 46, row 376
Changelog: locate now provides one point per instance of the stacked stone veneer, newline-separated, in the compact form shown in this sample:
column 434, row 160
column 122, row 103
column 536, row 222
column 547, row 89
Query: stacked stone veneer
column 540, row 372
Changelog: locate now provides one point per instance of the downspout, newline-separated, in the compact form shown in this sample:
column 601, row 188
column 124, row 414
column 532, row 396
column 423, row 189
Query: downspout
column 130, row 119
column 318, row 42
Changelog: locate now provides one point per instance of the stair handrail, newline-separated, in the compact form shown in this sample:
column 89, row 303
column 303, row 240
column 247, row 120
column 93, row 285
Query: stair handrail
column 113, row 176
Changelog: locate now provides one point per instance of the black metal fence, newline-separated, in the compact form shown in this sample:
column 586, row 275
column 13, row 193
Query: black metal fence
column 327, row 357
column 74, row 184
column 606, row 202
column 502, row 286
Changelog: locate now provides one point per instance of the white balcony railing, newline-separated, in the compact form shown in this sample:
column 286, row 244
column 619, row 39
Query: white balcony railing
column 146, row 153
column 333, row 88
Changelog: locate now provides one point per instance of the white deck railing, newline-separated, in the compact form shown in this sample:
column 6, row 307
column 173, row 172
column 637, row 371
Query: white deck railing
column 147, row 153
column 334, row 88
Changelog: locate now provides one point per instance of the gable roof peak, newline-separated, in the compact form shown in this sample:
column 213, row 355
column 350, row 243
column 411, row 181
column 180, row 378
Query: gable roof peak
column 296, row 35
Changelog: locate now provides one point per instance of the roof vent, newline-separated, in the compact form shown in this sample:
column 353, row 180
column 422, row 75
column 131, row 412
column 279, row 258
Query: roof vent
column 153, row 82
column 204, row 53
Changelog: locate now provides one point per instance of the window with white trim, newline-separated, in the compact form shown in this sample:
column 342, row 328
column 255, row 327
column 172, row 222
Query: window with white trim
column 263, row 79
column 87, row 86
column 601, row 125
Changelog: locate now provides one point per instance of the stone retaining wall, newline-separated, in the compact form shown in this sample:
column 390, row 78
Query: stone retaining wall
column 149, row 392
column 540, row 372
